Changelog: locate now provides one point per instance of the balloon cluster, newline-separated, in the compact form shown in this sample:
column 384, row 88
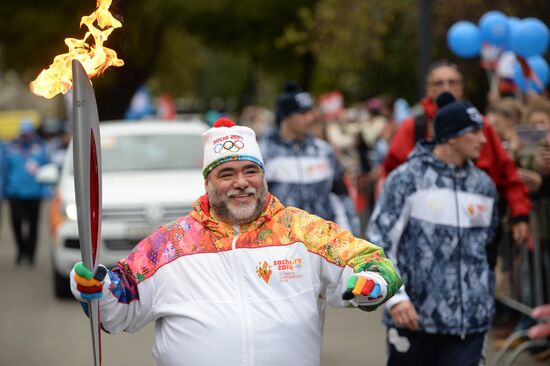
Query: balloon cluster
column 527, row 38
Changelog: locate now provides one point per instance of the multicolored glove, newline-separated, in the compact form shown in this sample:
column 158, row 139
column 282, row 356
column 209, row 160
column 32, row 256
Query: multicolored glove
column 367, row 287
column 85, row 284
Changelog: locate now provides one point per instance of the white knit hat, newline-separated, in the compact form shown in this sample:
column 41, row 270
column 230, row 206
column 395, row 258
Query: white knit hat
column 226, row 141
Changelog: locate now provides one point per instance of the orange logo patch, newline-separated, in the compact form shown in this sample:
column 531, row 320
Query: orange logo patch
column 264, row 271
column 474, row 209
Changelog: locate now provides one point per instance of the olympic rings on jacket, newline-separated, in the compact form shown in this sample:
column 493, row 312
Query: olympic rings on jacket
column 232, row 146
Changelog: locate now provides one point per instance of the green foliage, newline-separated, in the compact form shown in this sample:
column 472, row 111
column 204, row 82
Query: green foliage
column 360, row 47
column 247, row 49
column 182, row 46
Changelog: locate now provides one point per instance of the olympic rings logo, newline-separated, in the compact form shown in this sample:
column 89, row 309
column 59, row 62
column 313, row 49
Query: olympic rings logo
column 231, row 146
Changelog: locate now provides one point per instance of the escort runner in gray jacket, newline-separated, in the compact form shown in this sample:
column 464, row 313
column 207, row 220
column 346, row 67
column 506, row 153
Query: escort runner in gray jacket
column 440, row 254
column 434, row 219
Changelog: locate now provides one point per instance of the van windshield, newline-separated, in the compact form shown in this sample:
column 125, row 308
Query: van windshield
column 150, row 152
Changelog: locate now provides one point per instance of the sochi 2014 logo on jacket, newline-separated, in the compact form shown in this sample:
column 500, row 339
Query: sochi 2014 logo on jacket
column 288, row 269
column 264, row 271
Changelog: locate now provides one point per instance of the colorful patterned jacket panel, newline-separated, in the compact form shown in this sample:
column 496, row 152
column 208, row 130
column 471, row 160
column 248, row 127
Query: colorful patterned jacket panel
column 277, row 226
column 434, row 221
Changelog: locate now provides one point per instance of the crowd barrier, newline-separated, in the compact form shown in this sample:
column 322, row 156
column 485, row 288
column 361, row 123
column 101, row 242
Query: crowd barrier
column 528, row 271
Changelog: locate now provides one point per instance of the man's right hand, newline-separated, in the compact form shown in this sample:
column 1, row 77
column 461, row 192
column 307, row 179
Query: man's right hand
column 404, row 315
column 85, row 284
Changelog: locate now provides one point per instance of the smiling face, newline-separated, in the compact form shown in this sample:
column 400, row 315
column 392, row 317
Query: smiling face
column 237, row 191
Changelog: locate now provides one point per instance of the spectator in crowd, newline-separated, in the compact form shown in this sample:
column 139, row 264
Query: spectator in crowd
column 58, row 146
column 538, row 115
column 341, row 132
column 505, row 115
column 2, row 174
column 538, row 112
column 374, row 137
column 257, row 118
column 302, row 170
column 434, row 217
column 372, row 146
column 24, row 156
column 444, row 76
column 236, row 281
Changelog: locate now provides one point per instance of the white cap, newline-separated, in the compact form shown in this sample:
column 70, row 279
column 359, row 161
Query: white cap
column 226, row 141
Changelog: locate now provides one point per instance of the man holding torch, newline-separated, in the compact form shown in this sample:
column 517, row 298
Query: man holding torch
column 239, row 277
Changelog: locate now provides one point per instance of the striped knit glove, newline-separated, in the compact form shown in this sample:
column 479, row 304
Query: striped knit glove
column 85, row 284
column 368, row 288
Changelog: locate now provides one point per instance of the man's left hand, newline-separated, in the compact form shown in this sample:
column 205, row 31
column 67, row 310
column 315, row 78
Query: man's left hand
column 366, row 287
column 520, row 232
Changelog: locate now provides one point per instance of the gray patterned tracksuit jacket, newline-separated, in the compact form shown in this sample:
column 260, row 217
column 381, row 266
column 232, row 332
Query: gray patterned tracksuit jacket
column 303, row 174
column 434, row 221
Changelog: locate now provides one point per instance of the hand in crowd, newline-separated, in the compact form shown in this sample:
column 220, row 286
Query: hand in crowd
column 530, row 178
column 542, row 158
column 85, row 284
column 540, row 330
column 520, row 232
column 404, row 315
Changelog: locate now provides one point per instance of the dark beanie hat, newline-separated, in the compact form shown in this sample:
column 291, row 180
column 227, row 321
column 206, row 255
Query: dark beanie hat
column 293, row 100
column 454, row 118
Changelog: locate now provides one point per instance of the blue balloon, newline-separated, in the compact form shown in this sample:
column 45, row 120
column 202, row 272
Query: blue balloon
column 464, row 39
column 540, row 67
column 530, row 38
column 494, row 28
column 513, row 23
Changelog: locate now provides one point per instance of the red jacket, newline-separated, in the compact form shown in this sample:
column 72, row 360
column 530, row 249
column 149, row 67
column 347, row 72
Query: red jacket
column 494, row 160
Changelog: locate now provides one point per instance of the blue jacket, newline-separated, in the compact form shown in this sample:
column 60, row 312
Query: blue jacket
column 434, row 222
column 2, row 168
column 303, row 173
column 22, row 162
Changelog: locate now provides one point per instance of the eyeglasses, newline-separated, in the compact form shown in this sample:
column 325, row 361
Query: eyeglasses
column 441, row 83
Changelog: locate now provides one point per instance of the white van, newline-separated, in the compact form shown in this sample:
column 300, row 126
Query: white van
column 152, row 173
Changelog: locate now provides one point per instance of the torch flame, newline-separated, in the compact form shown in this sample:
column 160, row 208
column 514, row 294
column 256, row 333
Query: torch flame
column 94, row 58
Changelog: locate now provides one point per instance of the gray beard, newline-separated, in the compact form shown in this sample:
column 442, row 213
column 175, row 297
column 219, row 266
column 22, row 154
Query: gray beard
column 236, row 214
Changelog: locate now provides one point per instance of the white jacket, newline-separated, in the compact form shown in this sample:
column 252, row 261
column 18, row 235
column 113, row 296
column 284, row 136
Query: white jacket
column 240, row 296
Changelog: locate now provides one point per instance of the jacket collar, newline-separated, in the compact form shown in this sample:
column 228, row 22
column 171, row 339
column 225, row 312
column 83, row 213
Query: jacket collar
column 201, row 213
column 430, row 108
column 424, row 151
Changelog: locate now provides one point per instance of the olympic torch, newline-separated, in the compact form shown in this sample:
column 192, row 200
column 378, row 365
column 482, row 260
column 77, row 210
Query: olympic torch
column 87, row 179
column 86, row 58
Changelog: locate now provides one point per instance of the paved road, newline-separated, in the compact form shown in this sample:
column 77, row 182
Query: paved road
column 38, row 330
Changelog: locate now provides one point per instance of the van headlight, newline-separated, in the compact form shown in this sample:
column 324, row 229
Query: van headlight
column 70, row 211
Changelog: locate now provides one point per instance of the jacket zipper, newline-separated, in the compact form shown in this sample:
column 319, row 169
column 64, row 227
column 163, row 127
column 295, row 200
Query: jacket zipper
column 245, row 346
column 463, row 332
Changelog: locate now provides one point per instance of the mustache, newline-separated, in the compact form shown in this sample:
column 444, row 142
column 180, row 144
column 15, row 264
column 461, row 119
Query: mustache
column 248, row 190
